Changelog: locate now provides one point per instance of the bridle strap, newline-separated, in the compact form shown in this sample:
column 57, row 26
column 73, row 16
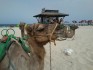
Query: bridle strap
column 53, row 30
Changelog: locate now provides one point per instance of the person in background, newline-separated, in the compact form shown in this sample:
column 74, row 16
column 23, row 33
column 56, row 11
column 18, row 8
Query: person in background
column 61, row 21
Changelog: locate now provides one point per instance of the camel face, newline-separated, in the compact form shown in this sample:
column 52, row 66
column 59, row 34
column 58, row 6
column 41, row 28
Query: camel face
column 42, row 32
column 68, row 31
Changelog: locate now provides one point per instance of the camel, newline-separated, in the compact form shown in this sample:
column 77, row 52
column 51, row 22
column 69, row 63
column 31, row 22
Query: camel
column 67, row 32
column 37, row 35
column 17, row 59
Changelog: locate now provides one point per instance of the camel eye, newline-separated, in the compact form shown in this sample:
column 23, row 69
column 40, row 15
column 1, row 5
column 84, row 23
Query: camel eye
column 40, row 29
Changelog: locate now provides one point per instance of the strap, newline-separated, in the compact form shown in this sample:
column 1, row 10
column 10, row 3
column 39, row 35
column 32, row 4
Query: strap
column 24, row 45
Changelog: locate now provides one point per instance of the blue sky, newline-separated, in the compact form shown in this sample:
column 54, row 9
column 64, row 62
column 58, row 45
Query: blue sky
column 14, row 11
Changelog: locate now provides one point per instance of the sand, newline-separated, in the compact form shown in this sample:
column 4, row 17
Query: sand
column 80, row 59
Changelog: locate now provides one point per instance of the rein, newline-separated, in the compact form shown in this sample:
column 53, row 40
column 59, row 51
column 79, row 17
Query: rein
column 53, row 31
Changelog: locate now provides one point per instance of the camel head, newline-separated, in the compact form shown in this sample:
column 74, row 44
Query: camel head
column 42, row 33
column 68, row 31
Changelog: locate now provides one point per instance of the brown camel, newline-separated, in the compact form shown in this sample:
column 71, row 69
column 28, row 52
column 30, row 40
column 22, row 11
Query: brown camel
column 37, row 36
column 67, row 32
column 41, row 34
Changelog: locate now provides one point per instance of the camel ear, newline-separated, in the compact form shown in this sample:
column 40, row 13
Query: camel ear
column 40, row 27
column 29, row 29
column 21, row 25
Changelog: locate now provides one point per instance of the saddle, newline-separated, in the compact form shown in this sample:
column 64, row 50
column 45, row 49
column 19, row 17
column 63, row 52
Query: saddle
column 6, row 42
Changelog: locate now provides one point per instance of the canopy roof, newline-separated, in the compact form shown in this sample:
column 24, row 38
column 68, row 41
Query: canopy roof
column 51, row 13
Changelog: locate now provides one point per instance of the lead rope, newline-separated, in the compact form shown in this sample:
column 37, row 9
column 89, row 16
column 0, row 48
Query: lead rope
column 53, row 31
column 50, row 58
column 50, row 46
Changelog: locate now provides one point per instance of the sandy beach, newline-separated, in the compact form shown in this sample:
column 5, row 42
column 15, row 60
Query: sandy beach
column 80, row 59
column 82, row 55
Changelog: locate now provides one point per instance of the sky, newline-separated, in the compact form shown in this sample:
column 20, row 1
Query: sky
column 16, row 11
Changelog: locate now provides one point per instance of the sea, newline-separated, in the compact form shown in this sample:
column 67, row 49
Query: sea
column 8, row 25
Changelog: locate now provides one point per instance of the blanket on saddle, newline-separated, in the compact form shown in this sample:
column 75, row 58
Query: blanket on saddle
column 6, row 43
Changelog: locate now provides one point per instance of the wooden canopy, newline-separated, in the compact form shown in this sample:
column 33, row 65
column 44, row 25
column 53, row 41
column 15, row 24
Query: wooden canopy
column 51, row 13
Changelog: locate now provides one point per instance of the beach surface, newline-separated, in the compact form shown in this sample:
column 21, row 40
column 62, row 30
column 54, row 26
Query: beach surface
column 81, row 57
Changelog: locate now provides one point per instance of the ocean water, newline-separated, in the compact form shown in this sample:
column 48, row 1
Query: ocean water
column 8, row 25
